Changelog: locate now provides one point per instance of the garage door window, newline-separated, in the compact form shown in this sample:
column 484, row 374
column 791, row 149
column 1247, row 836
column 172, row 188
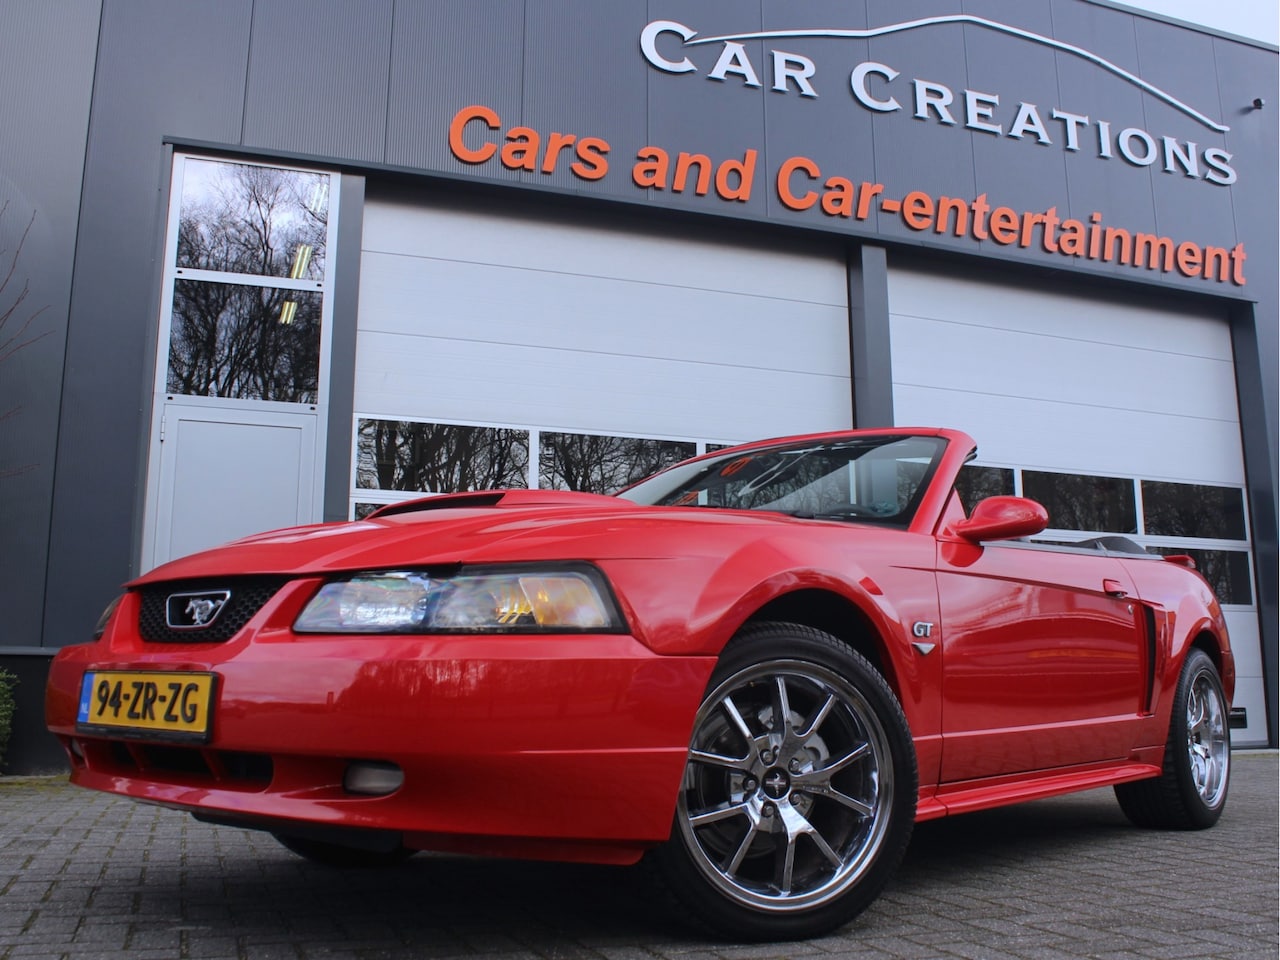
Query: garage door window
column 1193, row 510
column 439, row 457
column 1202, row 521
column 1082, row 502
column 595, row 463
column 397, row 459
column 977, row 483
column 1226, row 570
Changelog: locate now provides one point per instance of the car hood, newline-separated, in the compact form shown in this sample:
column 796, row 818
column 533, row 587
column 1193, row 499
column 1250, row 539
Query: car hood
column 494, row 526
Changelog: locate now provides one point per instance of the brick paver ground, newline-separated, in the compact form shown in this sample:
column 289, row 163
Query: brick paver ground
column 86, row 876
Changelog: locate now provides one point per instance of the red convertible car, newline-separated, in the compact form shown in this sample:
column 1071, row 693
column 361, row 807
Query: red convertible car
column 756, row 670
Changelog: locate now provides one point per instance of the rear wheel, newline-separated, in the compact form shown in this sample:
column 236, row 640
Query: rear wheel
column 338, row 855
column 799, row 794
column 1192, row 790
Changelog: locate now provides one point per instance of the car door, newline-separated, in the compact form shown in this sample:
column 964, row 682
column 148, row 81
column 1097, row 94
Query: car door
column 1043, row 658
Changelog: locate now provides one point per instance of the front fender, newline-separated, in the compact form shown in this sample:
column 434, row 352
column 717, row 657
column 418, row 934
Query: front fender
column 888, row 582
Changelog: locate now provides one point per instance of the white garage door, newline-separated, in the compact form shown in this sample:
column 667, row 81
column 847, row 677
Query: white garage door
column 497, row 348
column 1122, row 417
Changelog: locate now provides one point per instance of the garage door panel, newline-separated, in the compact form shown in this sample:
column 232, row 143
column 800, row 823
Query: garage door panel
column 1251, row 694
column 422, row 378
column 1051, row 367
column 1067, row 381
column 1248, row 659
column 414, row 297
column 1044, row 435
column 981, row 303
column 796, row 271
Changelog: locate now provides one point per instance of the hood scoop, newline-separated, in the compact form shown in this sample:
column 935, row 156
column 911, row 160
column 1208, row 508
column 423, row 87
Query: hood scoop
column 506, row 498
column 487, row 498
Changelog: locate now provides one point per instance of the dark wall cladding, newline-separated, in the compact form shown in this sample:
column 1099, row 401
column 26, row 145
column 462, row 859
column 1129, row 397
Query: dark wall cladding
column 46, row 70
column 317, row 78
column 162, row 69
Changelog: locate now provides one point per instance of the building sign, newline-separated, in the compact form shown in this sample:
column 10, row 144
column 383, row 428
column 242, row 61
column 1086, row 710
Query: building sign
column 881, row 88
column 478, row 136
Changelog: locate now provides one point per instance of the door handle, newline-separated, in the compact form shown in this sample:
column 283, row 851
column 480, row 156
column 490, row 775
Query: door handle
column 1114, row 588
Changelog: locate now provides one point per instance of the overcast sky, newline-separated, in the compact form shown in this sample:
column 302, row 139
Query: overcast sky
column 1256, row 19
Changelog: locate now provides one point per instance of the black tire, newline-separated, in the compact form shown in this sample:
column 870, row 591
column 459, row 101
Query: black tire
column 1192, row 790
column 799, row 795
column 338, row 855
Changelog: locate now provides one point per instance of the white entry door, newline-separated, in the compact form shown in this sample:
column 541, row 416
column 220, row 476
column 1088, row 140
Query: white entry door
column 225, row 474
column 241, row 377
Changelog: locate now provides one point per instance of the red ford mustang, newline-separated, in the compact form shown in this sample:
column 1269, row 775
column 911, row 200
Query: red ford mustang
column 756, row 669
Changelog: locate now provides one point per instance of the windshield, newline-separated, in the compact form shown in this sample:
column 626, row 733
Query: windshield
column 879, row 479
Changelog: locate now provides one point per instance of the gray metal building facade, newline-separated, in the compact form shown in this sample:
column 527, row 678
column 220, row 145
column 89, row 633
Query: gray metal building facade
column 1071, row 146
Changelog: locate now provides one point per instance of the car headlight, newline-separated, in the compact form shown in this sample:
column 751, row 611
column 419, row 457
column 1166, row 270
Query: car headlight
column 477, row 600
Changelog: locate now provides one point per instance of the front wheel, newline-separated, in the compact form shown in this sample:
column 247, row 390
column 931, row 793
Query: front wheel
column 1192, row 790
column 798, row 798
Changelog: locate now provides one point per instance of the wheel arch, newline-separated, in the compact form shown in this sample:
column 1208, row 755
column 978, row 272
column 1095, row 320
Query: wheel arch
column 1200, row 627
column 1207, row 642
column 1219, row 653
column 837, row 615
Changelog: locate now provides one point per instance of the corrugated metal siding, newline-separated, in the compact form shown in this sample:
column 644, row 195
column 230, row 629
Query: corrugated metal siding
column 317, row 81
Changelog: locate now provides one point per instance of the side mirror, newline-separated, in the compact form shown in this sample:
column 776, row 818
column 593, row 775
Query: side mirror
column 1003, row 518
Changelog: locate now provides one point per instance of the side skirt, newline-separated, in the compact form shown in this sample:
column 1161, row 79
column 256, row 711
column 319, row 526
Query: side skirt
column 973, row 795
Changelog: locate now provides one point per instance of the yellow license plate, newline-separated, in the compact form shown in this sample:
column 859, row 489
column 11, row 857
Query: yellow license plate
column 163, row 704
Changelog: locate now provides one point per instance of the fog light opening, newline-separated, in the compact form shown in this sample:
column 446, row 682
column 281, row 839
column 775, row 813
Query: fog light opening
column 373, row 778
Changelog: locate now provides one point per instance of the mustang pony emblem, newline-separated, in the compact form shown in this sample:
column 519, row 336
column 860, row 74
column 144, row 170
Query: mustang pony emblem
column 199, row 610
column 202, row 611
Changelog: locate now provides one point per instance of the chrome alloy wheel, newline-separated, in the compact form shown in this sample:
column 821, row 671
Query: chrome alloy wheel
column 788, row 787
column 1208, row 744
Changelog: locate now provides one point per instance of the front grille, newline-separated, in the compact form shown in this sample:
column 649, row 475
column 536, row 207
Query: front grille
column 248, row 594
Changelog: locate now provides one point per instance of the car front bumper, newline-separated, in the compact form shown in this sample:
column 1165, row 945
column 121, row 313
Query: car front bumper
column 565, row 746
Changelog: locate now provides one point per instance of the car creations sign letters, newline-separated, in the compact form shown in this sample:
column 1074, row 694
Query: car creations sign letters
column 478, row 135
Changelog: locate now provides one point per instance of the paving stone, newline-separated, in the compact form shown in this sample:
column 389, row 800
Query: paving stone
column 85, row 876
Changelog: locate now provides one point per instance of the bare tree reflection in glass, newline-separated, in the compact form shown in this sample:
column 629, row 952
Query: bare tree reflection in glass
column 237, row 339
column 976, row 483
column 592, row 463
column 261, row 221
column 1227, row 571
column 251, row 343
column 1193, row 510
column 440, row 457
column 1080, row 502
